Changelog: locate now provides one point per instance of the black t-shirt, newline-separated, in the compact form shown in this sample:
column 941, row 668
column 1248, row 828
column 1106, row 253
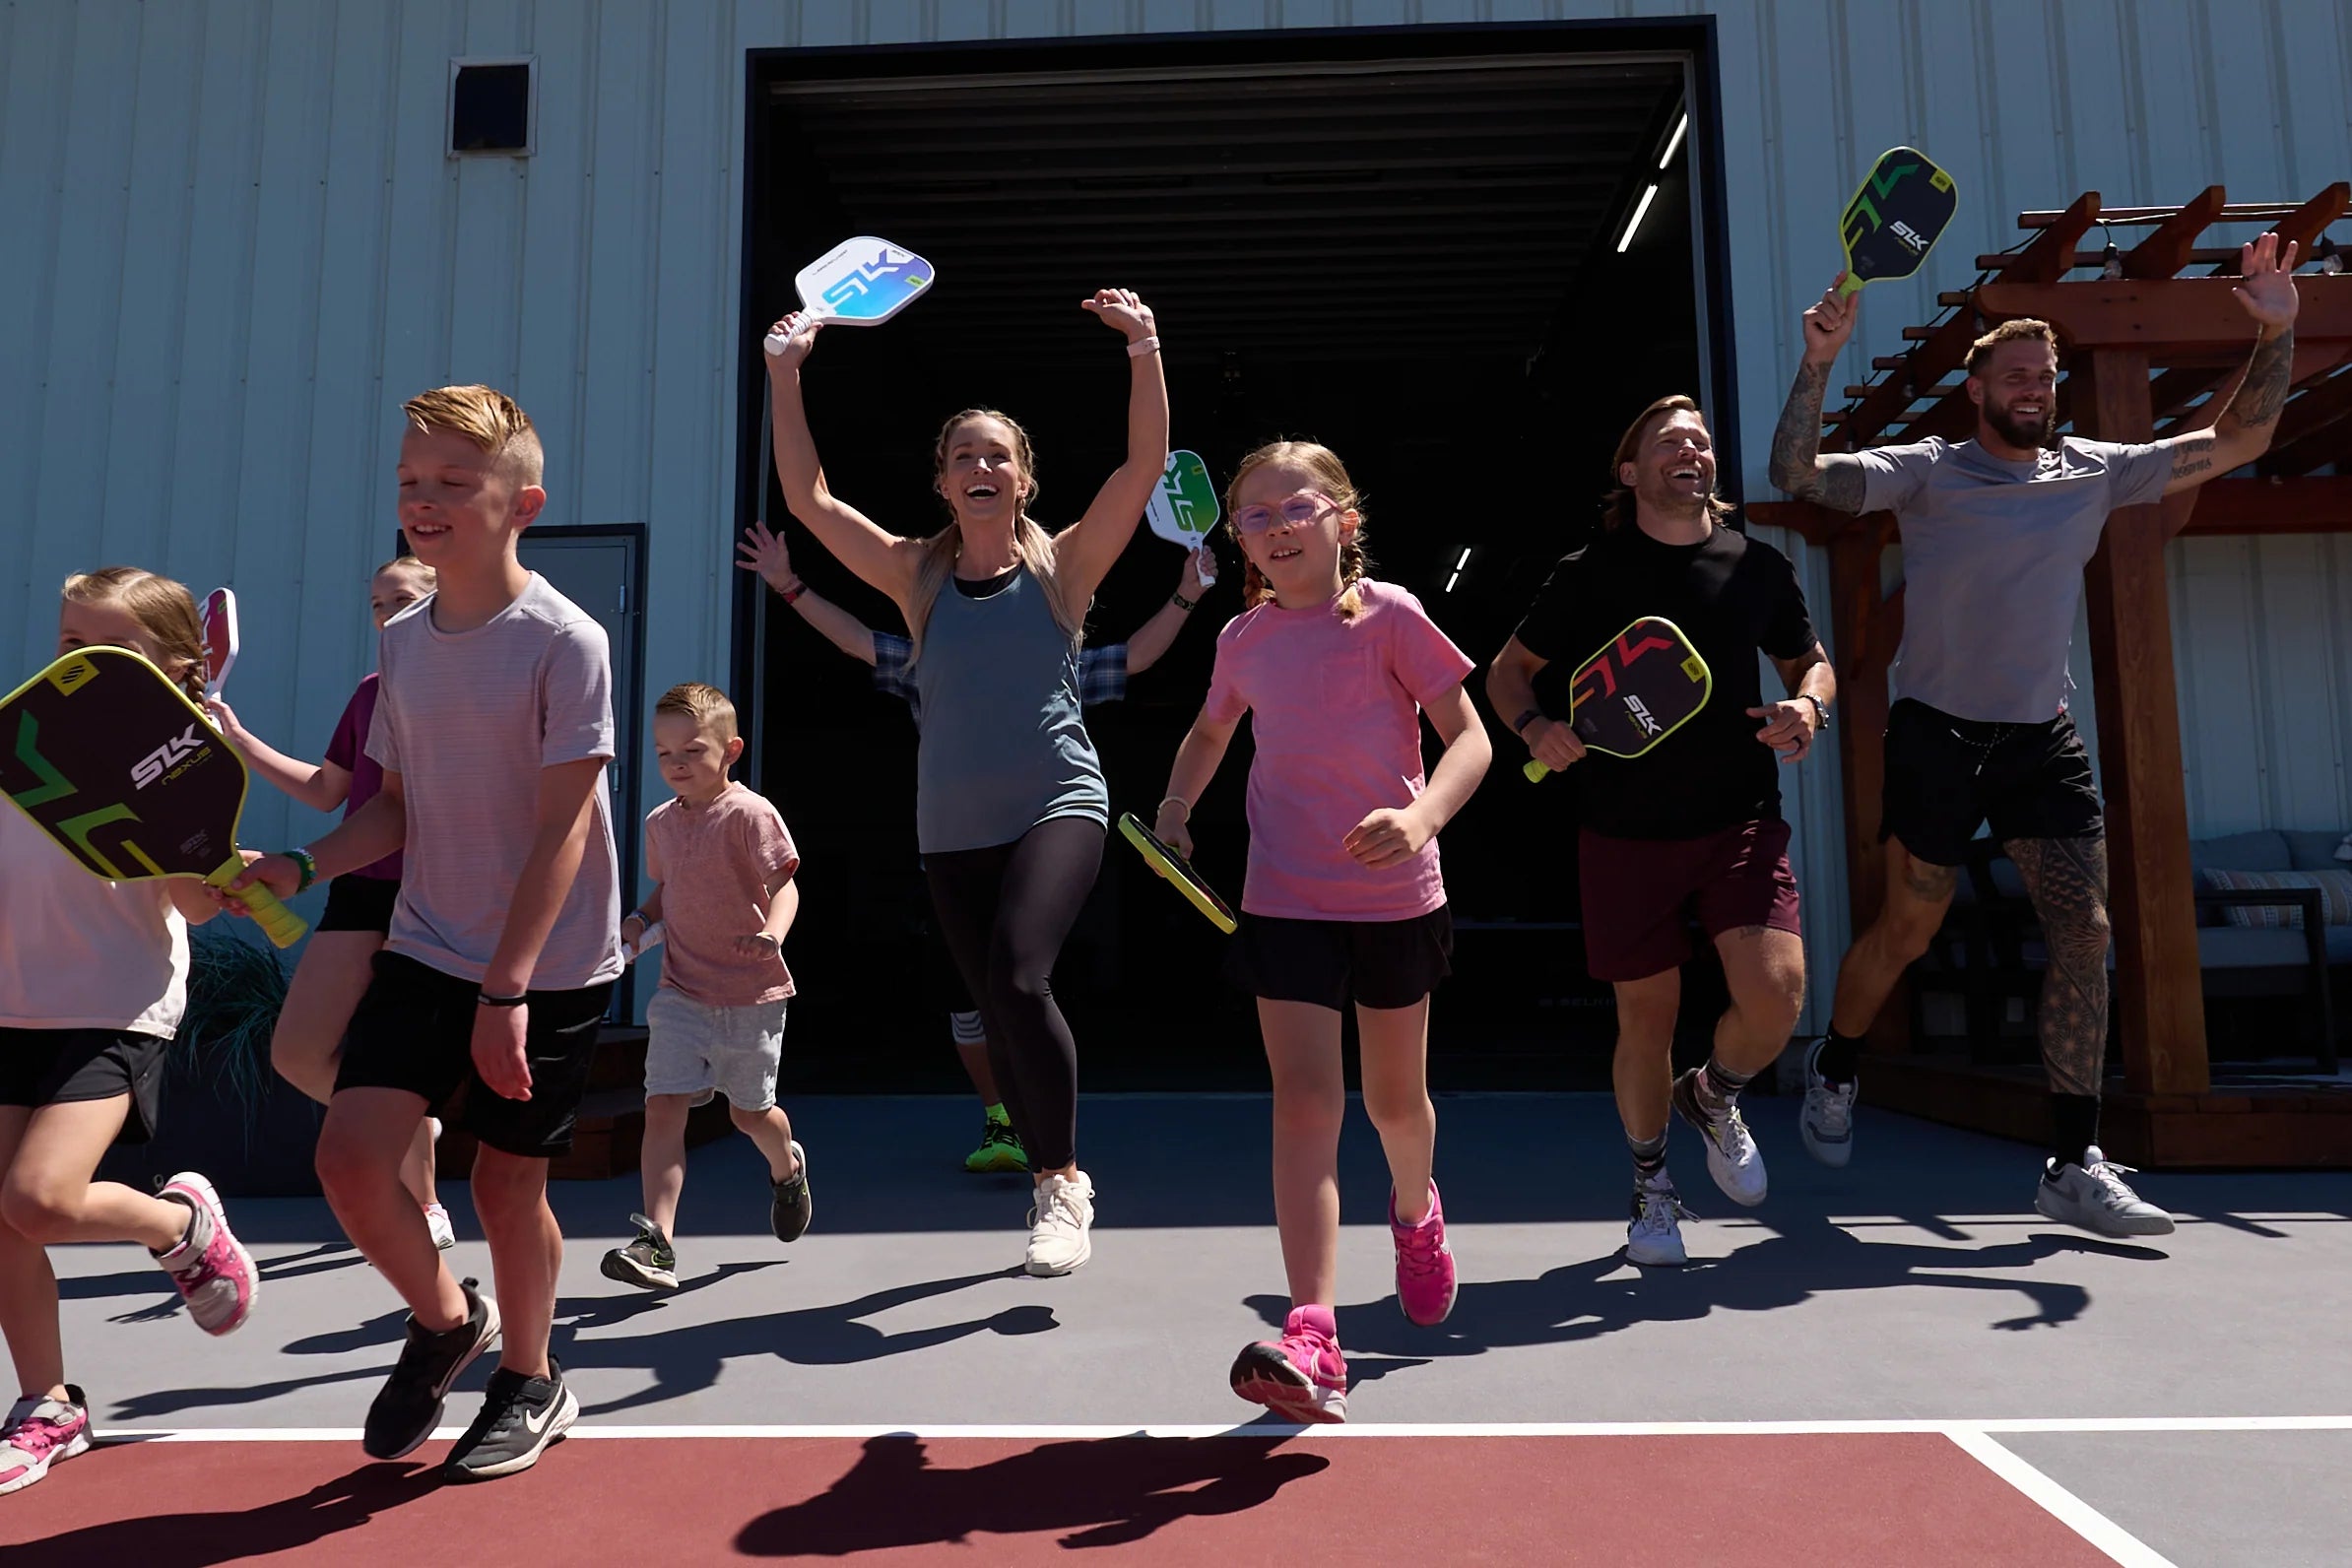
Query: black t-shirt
column 1732, row 596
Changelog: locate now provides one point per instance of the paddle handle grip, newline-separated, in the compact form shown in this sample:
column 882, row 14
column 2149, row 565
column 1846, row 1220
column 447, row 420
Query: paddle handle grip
column 1536, row 772
column 1851, row 285
column 279, row 924
column 775, row 344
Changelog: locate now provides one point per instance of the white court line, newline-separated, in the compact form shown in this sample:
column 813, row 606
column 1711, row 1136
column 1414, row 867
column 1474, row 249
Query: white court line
column 2060, row 1504
column 1957, row 1430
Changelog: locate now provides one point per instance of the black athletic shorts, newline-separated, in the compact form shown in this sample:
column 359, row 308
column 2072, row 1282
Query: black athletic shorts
column 1375, row 963
column 1946, row 777
column 414, row 1030
column 51, row 1066
column 359, row 904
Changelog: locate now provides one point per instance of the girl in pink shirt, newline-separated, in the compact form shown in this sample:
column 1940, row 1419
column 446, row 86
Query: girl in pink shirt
column 1343, row 902
column 94, row 981
column 339, row 959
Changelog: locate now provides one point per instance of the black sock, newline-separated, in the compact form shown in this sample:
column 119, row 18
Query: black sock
column 2073, row 1127
column 1719, row 1084
column 1649, row 1154
column 1840, row 1057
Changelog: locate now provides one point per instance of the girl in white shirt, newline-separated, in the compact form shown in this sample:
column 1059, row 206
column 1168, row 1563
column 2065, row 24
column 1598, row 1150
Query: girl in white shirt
column 93, row 979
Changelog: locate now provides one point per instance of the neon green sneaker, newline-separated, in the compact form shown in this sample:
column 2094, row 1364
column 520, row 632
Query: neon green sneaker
column 1000, row 1150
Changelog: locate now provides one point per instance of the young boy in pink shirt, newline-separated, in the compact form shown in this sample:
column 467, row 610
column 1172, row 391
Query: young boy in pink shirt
column 721, row 862
column 1343, row 902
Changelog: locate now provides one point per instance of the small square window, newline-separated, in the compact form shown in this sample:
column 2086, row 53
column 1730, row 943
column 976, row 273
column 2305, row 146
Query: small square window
column 492, row 107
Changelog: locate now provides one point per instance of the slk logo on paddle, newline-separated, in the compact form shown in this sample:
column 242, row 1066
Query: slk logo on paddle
column 1184, row 508
column 156, row 763
column 880, row 283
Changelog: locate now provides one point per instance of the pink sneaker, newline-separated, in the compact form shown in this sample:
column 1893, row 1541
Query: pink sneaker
column 38, row 1433
column 215, row 1276
column 1424, row 1263
column 1301, row 1376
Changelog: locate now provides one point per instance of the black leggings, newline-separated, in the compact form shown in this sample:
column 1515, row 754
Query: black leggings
column 1005, row 912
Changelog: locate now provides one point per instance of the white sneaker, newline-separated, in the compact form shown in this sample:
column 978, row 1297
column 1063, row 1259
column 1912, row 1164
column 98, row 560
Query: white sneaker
column 436, row 1220
column 1828, row 1120
column 2095, row 1196
column 1058, row 1224
column 1732, row 1158
column 1656, row 1235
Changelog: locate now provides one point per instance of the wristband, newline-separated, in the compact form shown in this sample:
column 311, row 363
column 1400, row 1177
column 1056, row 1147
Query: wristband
column 1176, row 799
column 1143, row 345
column 1820, row 713
column 1519, row 726
column 488, row 1000
column 637, row 915
column 1182, row 603
column 788, row 595
column 303, row 863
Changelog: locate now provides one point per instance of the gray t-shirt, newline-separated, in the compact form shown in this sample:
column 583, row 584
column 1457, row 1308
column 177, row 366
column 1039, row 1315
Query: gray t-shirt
column 1992, row 559
column 1001, row 746
column 468, row 719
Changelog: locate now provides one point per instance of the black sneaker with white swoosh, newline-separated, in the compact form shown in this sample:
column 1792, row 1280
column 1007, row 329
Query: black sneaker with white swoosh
column 520, row 1416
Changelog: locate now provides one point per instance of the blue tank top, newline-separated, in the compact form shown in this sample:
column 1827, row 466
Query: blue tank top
column 1002, row 747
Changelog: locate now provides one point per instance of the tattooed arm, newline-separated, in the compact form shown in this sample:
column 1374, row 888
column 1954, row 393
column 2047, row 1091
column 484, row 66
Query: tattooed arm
column 2242, row 431
column 1798, row 467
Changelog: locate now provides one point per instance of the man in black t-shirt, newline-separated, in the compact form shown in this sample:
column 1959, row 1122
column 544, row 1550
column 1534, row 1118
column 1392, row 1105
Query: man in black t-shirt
column 1693, row 827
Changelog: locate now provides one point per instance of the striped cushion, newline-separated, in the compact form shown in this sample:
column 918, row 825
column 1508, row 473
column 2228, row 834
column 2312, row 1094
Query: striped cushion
column 2335, row 895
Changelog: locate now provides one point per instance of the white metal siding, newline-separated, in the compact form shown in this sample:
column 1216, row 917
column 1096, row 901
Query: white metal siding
column 234, row 245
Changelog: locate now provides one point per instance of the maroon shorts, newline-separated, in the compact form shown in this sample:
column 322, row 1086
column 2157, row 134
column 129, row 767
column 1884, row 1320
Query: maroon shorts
column 1639, row 893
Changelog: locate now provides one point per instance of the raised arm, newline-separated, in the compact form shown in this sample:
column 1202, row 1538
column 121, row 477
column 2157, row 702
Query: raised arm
column 321, row 785
column 763, row 553
column 1084, row 551
column 876, row 555
column 1157, row 635
column 2244, row 427
column 1798, row 465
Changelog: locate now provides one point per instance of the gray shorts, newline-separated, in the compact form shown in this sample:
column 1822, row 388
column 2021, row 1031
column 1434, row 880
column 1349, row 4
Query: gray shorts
column 700, row 1050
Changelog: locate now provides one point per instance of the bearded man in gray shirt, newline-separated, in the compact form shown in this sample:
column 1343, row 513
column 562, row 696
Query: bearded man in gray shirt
column 1996, row 532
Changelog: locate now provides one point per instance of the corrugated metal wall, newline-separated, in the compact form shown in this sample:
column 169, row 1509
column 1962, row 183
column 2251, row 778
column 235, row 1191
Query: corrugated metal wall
column 233, row 244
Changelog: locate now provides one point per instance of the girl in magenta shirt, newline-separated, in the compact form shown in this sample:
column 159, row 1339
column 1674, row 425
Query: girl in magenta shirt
column 340, row 955
column 1343, row 902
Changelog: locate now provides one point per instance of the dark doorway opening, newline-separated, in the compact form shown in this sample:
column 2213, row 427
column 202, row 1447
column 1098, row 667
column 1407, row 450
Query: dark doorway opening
column 1404, row 243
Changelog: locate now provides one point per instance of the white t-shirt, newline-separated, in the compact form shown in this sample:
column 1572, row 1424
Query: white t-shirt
column 79, row 952
column 468, row 720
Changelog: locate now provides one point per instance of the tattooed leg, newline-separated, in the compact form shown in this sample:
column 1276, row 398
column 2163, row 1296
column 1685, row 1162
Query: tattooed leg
column 2066, row 878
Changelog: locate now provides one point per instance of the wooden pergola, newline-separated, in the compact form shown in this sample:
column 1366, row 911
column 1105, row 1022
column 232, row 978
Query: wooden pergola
column 2153, row 340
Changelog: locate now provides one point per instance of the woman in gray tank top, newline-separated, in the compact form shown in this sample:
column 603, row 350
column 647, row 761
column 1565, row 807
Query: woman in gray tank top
column 1010, row 808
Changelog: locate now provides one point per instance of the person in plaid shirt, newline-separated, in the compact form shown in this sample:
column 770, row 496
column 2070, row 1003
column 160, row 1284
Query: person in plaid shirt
column 1102, row 675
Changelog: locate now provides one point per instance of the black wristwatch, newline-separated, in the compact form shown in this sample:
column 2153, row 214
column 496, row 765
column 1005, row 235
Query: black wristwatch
column 488, row 1000
column 1519, row 726
column 1182, row 603
column 1820, row 713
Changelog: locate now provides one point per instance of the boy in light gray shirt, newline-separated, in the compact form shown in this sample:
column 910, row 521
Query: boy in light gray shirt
column 493, row 727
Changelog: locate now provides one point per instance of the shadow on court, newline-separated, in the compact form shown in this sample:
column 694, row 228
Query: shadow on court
column 1106, row 1492
column 1598, row 1296
column 197, row 1539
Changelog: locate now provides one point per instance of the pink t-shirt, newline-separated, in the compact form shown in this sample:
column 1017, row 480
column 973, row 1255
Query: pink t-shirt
column 1336, row 709
column 713, row 863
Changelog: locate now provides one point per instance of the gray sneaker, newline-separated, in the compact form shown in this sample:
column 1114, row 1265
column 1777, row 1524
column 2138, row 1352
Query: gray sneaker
column 1655, row 1237
column 1828, row 1119
column 2095, row 1196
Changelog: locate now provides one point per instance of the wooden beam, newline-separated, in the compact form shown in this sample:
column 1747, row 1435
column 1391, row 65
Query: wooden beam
column 2235, row 213
column 2312, row 432
column 2152, row 907
column 2165, row 316
column 1863, row 650
column 2305, row 224
column 2170, row 247
column 2310, row 505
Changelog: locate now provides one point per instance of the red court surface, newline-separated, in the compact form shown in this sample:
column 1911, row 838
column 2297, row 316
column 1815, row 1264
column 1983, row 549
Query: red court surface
column 1671, row 1501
